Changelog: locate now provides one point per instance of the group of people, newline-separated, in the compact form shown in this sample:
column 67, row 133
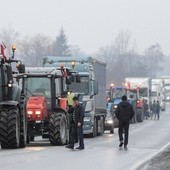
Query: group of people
column 154, row 110
column 124, row 113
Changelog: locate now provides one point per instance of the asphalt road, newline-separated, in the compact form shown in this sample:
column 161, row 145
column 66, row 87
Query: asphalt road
column 146, row 139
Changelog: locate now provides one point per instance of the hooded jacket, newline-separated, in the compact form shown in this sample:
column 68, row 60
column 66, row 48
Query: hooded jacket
column 124, row 111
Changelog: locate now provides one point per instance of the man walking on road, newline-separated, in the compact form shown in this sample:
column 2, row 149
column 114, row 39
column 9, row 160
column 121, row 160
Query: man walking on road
column 124, row 114
column 154, row 108
column 77, row 116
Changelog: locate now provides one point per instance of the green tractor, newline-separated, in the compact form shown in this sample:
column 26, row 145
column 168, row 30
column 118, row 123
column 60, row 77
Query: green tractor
column 12, row 104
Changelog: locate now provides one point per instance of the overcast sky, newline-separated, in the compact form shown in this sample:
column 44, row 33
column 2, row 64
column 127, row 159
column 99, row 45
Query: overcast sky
column 91, row 24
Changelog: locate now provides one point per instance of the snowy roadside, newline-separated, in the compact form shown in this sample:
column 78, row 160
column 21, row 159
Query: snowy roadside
column 159, row 161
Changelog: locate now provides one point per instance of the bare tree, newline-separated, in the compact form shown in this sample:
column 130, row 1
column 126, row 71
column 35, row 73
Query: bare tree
column 122, row 42
column 76, row 51
column 154, row 57
column 9, row 37
column 34, row 49
column 121, row 59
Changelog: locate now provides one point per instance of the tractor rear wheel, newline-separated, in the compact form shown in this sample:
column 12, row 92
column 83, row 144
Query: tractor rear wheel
column 58, row 130
column 9, row 128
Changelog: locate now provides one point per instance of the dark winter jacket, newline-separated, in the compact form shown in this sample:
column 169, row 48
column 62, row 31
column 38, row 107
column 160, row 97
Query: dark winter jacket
column 124, row 111
column 158, row 108
column 79, row 114
column 145, row 107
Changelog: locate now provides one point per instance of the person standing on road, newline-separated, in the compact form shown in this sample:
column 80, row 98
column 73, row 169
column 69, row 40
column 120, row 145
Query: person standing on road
column 77, row 114
column 157, row 110
column 154, row 108
column 145, row 109
column 124, row 114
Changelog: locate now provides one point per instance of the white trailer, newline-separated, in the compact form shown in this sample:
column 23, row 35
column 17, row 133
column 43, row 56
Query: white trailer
column 143, row 84
column 158, row 92
column 167, row 87
column 142, row 87
column 91, row 90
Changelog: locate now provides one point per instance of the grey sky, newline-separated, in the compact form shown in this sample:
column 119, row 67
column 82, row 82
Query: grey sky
column 91, row 24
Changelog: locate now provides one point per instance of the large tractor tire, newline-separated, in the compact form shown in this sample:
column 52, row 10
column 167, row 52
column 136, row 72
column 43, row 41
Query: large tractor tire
column 22, row 141
column 139, row 115
column 58, row 130
column 9, row 128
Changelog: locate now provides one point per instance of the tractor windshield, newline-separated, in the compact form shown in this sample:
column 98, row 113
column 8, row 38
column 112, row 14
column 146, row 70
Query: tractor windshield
column 117, row 94
column 82, row 87
column 37, row 87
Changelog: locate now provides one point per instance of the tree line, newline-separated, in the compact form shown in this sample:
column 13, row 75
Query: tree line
column 121, row 56
column 123, row 60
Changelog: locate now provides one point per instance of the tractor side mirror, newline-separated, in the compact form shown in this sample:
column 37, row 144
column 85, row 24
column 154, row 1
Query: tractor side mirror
column 78, row 79
column 21, row 68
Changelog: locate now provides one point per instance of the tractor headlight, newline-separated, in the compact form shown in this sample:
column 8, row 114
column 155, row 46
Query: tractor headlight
column 38, row 112
column 115, row 106
column 110, row 121
column 87, row 119
column 9, row 85
column 29, row 112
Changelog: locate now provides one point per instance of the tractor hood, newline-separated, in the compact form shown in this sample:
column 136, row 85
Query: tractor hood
column 35, row 102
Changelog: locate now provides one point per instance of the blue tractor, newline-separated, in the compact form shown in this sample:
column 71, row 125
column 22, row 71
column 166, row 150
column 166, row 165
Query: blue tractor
column 115, row 97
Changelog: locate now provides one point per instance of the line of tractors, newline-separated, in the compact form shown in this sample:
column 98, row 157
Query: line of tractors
column 32, row 102
column 140, row 91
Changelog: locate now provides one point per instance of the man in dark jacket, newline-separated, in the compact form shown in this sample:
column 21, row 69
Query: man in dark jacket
column 77, row 117
column 124, row 113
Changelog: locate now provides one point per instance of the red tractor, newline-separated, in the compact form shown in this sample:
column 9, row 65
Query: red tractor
column 137, row 103
column 45, row 91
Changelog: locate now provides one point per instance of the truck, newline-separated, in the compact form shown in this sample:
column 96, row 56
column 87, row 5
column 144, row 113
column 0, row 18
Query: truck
column 158, row 92
column 13, row 123
column 167, row 87
column 91, row 90
column 141, row 87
